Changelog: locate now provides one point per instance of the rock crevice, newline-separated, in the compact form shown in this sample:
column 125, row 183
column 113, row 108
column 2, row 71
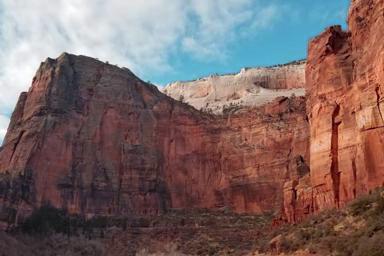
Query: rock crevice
column 346, row 142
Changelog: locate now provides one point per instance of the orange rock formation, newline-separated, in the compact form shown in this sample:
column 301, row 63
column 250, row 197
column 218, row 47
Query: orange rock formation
column 344, row 79
column 95, row 139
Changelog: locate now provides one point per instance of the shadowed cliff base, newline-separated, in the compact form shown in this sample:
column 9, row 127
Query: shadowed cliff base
column 356, row 230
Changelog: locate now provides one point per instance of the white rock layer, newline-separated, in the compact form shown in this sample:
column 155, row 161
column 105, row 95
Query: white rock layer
column 250, row 87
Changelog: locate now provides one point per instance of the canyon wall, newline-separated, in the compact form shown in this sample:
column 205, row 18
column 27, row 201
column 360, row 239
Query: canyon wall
column 344, row 82
column 94, row 139
column 251, row 87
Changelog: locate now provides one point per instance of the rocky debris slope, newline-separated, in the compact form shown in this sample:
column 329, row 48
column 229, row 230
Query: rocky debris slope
column 96, row 140
column 345, row 76
column 250, row 87
column 355, row 230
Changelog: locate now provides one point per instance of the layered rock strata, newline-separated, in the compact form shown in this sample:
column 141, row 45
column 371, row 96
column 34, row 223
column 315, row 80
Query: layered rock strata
column 251, row 87
column 96, row 140
column 345, row 85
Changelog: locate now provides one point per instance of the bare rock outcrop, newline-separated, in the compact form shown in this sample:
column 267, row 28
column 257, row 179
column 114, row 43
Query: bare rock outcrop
column 96, row 140
column 250, row 87
column 344, row 78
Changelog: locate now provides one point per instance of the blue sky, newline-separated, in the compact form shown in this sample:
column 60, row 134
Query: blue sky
column 160, row 40
column 284, row 40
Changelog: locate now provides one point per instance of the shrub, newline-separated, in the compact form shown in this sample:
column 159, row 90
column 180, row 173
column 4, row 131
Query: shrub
column 371, row 246
column 46, row 220
column 361, row 205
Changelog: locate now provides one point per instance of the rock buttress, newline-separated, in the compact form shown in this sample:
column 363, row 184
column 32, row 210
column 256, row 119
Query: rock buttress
column 345, row 83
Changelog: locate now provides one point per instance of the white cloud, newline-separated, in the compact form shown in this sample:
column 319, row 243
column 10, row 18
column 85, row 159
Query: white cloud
column 132, row 33
column 269, row 14
column 222, row 22
column 141, row 35
column 4, row 120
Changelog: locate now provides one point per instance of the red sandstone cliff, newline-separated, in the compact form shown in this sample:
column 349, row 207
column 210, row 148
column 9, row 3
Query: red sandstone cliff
column 345, row 86
column 95, row 139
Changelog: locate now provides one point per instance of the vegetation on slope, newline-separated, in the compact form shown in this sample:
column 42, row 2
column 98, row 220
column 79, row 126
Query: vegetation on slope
column 356, row 230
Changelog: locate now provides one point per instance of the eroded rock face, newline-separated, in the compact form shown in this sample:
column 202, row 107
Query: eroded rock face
column 250, row 87
column 96, row 140
column 345, row 84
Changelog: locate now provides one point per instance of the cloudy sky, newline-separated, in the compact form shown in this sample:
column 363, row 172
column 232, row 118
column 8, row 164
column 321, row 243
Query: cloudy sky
column 160, row 40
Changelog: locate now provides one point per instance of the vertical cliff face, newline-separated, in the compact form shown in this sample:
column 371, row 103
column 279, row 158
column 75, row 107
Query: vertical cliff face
column 77, row 138
column 95, row 139
column 345, row 74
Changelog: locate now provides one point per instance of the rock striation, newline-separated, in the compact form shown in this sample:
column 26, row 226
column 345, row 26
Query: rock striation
column 251, row 87
column 345, row 85
column 96, row 140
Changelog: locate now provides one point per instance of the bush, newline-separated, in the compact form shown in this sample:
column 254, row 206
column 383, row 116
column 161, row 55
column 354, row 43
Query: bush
column 361, row 205
column 379, row 209
column 372, row 246
column 47, row 220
